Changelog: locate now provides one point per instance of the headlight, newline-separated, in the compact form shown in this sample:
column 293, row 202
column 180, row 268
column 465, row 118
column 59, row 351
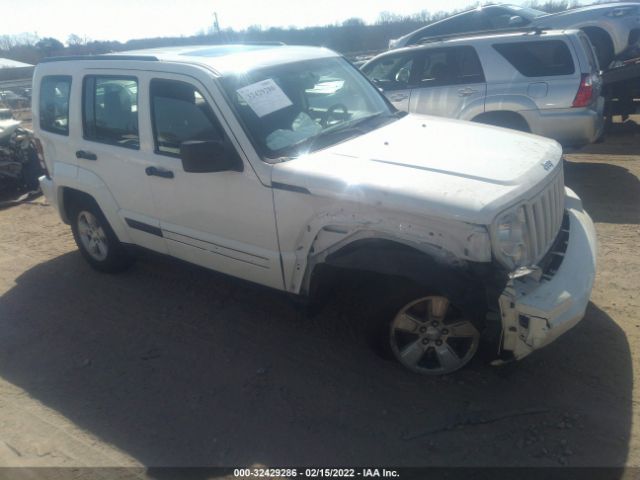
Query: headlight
column 622, row 11
column 510, row 233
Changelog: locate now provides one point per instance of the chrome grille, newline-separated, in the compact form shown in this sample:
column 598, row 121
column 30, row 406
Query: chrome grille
column 544, row 217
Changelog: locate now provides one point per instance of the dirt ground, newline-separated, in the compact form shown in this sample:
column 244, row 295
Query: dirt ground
column 171, row 365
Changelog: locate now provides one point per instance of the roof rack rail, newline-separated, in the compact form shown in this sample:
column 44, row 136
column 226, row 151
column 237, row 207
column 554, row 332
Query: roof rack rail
column 144, row 58
column 476, row 33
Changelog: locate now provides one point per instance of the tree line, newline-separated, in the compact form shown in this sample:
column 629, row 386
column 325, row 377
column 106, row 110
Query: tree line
column 351, row 36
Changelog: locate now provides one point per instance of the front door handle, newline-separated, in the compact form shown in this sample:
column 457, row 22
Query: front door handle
column 86, row 155
column 158, row 172
column 465, row 92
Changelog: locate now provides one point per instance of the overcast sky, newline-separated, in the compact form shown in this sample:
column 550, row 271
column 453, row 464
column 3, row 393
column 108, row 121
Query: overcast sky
column 126, row 19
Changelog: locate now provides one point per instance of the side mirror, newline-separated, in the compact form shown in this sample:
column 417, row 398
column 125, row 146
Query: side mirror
column 208, row 156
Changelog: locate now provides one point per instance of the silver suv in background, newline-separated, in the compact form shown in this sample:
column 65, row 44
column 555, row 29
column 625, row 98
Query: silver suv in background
column 542, row 82
column 612, row 27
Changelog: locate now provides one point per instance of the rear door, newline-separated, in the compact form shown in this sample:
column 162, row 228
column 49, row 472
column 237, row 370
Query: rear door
column 449, row 80
column 109, row 146
column 392, row 73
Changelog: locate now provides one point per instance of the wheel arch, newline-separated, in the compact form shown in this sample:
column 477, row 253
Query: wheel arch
column 88, row 185
column 434, row 269
column 472, row 109
column 503, row 118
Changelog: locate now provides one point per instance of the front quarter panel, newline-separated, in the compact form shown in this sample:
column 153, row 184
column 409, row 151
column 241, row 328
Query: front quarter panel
column 311, row 227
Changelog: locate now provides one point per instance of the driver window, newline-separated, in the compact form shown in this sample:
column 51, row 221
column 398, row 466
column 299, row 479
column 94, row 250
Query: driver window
column 180, row 113
column 392, row 72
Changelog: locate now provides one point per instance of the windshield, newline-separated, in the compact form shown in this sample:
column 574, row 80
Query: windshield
column 290, row 109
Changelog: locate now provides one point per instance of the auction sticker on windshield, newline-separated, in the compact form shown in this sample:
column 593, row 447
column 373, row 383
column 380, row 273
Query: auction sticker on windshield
column 264, row 97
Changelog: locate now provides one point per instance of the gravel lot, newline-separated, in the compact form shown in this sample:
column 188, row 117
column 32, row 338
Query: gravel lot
column 169, row 364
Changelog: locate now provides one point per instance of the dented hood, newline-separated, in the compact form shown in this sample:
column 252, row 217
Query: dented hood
column 430, row 165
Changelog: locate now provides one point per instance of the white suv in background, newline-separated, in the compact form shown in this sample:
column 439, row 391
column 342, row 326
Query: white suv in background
column 544, row 82
column 284, row 165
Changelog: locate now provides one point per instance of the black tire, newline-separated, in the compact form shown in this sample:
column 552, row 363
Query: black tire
column 398, row 295
column 602, row 45
column 31, row 171
column 111, row 256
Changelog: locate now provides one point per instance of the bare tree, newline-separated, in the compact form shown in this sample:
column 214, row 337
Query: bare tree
column 77, row 41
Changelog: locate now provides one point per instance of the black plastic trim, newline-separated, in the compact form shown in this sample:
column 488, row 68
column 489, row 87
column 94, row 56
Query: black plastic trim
column 144, row 227
column 144, row 58
column 290, row 188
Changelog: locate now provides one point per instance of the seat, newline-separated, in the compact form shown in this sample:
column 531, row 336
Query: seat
column 440, row 72
column 117, row 115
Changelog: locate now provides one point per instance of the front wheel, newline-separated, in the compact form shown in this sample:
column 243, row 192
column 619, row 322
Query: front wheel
column 96, row 240
column 431, row 336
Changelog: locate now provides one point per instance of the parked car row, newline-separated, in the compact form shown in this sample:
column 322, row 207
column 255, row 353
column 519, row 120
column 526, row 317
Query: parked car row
column 543, row 82
column 8, row 124
column 285, row 166
column 13, row 100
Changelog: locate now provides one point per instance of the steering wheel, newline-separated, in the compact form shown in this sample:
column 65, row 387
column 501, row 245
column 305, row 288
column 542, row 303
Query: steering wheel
column 331, row 111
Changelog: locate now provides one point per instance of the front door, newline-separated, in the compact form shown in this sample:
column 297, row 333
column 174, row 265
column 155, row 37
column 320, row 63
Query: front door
column 392, row 74
column 221, row 220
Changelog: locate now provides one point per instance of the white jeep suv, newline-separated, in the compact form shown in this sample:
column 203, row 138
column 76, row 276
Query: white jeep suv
column 280, row 165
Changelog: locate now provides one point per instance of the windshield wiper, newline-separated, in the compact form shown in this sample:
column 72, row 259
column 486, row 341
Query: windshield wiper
column 359, row 126
column 351, row 129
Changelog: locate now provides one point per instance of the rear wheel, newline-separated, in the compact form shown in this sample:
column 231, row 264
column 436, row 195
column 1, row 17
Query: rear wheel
column 96, row 240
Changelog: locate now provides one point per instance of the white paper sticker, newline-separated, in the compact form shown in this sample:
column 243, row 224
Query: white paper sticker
column 264, row 97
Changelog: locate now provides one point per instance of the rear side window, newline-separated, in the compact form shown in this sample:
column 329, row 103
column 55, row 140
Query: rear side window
column 54, row 104
column 180, row 113
column 543, row 58
column 110, row 110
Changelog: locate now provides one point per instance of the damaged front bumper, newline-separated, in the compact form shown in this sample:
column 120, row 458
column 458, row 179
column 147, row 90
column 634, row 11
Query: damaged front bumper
column 538, row 307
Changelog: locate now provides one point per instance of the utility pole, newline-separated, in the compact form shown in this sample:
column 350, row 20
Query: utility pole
column 216, row 25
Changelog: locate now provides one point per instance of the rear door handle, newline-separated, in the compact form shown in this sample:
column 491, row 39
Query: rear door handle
column 86, row 155
column 465, row 92
column 158, row 172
